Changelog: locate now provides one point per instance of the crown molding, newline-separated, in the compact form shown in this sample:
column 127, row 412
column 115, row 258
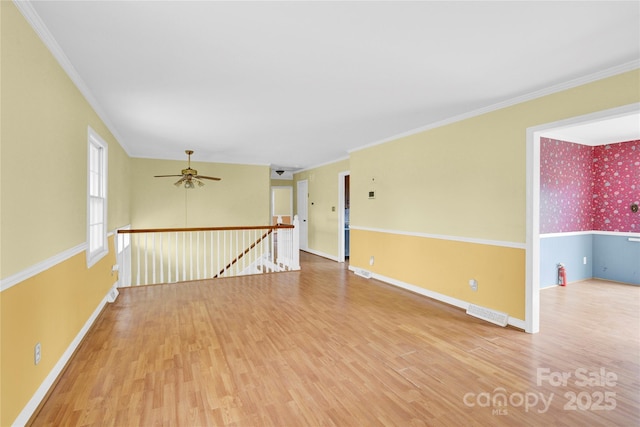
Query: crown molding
column 609, row 72
column 32, row 17
column 26, row 8
column 321, row 165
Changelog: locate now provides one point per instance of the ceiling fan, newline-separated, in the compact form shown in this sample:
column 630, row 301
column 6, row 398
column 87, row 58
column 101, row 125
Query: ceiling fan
column 189, row 176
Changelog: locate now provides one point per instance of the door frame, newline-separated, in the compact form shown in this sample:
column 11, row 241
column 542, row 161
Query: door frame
column 341, row 221
column 532, row 284
column 303, row 207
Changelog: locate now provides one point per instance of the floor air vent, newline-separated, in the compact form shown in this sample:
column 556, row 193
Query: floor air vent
column 363, row 273
column 487, row 314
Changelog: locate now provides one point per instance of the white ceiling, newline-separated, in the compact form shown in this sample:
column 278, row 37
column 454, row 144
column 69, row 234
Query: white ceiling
column 618, row 129
column 298, row 84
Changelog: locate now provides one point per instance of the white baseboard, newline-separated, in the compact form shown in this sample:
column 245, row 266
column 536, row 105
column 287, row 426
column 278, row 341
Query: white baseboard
column 113, row 293
column 28, row 411
column 322, row 254
column 517, row 323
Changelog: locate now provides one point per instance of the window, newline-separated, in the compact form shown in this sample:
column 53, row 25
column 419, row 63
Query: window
column 97, row 246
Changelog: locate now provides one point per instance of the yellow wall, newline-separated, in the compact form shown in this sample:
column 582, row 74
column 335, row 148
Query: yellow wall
column 282, row 201
column 468, row 178
column 281, row 182
column 50, row 308
column 465, row 179
column 44, row 153
column 323, row 196
column 241, row 197
column 44, row 121
column 445, row 267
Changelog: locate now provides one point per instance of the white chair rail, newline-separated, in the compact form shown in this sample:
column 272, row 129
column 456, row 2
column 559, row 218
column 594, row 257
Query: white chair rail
column 152, row 256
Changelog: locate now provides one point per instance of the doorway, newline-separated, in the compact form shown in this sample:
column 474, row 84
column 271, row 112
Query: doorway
column 532, row 287
column 344, row 216
column 282, row 205
column 302, row 205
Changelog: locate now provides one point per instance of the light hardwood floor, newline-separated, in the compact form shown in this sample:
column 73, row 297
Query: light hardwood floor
column 324, row 347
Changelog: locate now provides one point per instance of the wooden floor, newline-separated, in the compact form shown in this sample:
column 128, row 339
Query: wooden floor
column 324, row 347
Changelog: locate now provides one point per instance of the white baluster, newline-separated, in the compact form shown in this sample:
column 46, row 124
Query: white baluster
column 184, row 257
column 168, row 257
column 204, row 256
column 272, row 246
column 286, row 243
column 190, row 255
column 295, row 247
column 211, row 234
column 138, row 259
column 197, row 254
column 161, row 258
column 176, row 258
column 146, row 247
column 260, row 253
column 244, row 246
column 234, row 254
column 282, row 247
column 153, row 255
column 225, row 251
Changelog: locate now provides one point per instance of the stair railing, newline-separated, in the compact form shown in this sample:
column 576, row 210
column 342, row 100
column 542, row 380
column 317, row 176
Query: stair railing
column 181, row 254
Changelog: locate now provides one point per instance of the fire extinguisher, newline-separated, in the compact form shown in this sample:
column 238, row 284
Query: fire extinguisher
column 562, row 275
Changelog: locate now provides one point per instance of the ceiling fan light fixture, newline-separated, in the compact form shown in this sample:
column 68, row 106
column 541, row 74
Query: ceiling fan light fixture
column 189, row 175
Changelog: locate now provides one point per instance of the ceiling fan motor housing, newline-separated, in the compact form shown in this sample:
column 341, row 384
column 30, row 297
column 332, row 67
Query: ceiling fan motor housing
column 189, row 171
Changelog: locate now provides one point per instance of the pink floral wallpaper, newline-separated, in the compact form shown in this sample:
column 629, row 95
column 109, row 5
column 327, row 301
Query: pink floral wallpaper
column 566, row 186
column 586, row 188
column 616, row 170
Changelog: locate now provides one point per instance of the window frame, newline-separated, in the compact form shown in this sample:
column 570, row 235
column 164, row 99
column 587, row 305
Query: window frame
column 97, row 243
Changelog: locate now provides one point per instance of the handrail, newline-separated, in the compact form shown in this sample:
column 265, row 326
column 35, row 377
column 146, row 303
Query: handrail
column 239, row 228
column 246, row 251
column 169, row 255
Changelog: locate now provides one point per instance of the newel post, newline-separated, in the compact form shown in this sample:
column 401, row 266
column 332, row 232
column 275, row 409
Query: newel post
column 296, row 243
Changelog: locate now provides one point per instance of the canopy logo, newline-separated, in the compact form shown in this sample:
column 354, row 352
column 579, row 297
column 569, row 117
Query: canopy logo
column 595, row 398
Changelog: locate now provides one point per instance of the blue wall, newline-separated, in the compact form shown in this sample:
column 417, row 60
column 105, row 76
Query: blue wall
column 616, row 258
column 569, row 250
column 609, row 256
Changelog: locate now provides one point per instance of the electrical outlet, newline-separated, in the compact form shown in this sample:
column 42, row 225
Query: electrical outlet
column 37, row 353
column 473, row 284
column 371, row 260
column 584, row 260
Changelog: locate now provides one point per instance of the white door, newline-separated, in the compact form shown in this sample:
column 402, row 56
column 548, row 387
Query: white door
column 303, row 199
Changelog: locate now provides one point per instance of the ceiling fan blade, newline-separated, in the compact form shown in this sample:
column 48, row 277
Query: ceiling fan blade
column 207, row 177
column 189, row 176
